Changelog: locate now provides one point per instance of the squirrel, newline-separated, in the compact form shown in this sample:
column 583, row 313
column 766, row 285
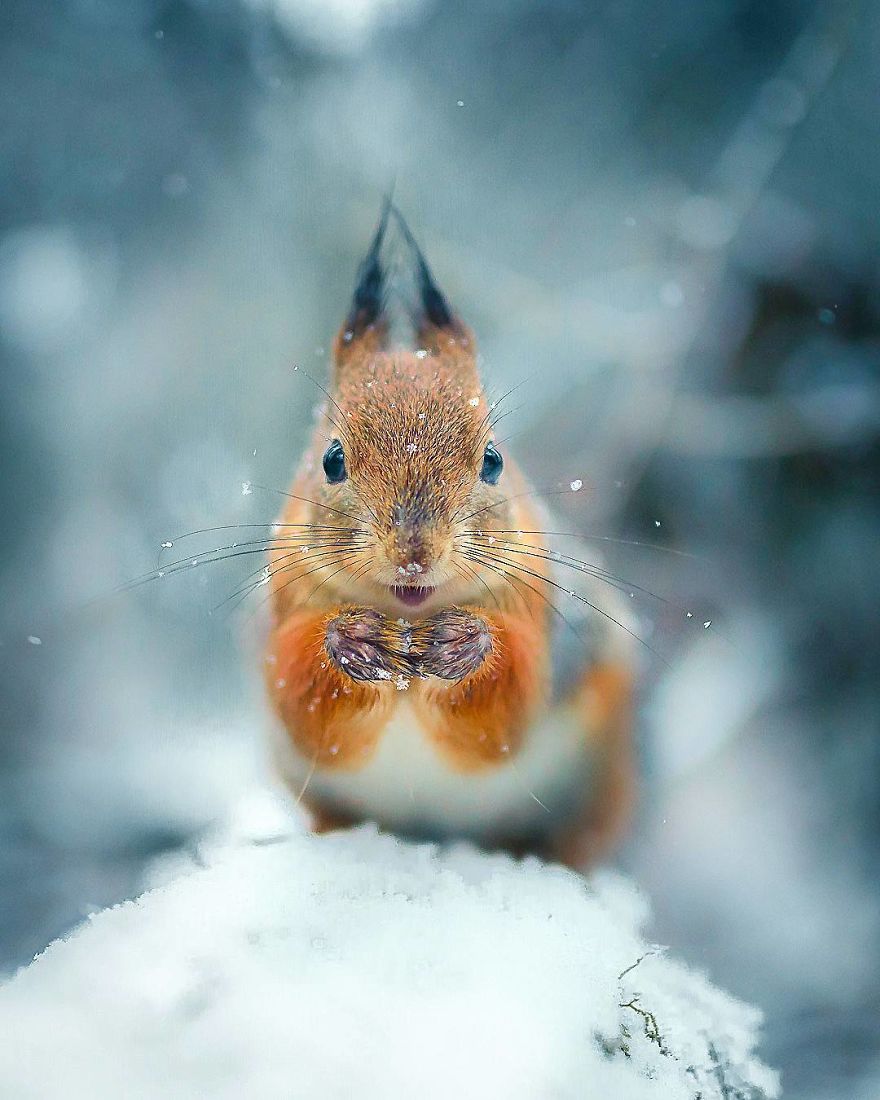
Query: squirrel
column 416, row 661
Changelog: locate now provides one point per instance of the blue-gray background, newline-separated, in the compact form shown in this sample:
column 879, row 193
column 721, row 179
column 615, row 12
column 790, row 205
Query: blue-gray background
column 664, row 216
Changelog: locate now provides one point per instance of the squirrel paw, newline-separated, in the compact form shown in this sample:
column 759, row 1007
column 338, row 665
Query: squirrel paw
column 365, row 645
column 451, row 644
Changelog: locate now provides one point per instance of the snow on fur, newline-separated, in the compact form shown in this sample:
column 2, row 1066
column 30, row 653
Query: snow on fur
column 357, row 965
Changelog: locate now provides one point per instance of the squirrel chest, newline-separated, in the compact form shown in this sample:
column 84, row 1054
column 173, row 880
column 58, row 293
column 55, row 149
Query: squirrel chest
column 407, row 785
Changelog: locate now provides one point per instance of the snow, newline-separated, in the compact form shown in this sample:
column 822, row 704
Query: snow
column 357, row 964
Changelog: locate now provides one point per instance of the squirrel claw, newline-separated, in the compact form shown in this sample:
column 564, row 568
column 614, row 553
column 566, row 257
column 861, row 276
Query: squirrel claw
column 450, row 645
column 364, row 645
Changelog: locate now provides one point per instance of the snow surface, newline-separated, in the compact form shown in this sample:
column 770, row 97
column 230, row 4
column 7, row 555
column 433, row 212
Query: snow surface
column 354, row 964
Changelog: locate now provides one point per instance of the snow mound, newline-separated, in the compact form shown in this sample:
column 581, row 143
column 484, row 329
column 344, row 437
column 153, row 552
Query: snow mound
column 357, row 965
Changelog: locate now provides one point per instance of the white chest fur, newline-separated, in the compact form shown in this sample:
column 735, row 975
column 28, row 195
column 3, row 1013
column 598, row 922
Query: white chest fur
column 408, row 786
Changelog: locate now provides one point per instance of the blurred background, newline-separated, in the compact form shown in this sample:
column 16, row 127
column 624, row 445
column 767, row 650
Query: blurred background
column 662, row 217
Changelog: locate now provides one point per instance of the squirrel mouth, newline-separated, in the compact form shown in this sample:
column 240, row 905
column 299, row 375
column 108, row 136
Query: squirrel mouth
column 411, row 595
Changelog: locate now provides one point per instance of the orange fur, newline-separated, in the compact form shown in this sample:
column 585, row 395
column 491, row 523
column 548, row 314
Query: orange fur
column 331, row 719
column 479, row 722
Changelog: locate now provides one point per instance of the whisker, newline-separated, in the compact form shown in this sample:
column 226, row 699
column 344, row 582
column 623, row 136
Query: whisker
column 622, row 584
column 209, row 557
column 510, row 577
column 476, row 576
column 582, row 599
column 330, row 398
column 293, row 580
column 513, row 435
column 507, row 412
column 500, row 400
column 508, row 581
column 327, row 578
column 305, row 500
column 267, row 572
column 307, row 780
column 252, row 526
column 599, row 538
column 598, row 572
column 487, row 424
column 303, row 555
column 243, row 595
column 512, row 763
column 514, row 581
column 507, row 500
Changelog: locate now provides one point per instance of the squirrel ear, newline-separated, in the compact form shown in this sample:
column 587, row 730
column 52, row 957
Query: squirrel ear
column 366, row 328
column 436, row 325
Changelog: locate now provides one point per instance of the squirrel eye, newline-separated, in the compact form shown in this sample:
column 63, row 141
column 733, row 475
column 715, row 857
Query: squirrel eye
column 493, row 464
column 334, row 463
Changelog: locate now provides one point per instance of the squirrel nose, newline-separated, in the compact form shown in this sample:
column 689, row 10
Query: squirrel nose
column 412, row 554
column 411, row 541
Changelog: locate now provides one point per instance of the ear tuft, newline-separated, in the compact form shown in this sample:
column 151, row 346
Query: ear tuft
column 434, row 312
column 368, row 302
column 365, row 331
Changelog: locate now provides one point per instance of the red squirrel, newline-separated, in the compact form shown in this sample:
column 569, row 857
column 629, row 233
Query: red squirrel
column 416, row 650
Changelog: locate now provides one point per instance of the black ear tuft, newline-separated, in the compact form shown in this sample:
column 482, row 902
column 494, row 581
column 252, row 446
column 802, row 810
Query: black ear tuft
column 368, row 302
column 435, row 310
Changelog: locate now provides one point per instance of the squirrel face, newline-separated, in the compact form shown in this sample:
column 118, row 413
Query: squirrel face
column 413, row 466
column 416, row 464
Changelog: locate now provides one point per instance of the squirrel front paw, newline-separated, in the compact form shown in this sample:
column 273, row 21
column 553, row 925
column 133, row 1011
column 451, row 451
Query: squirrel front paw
column 451, row 644
column 365, row 645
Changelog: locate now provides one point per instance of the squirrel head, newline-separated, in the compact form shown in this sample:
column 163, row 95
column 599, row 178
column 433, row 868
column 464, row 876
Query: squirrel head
column 413, row 461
